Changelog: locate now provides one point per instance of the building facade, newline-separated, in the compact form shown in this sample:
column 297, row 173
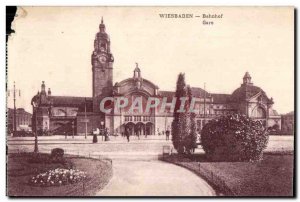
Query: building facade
column 287, row 123
column 23, row 119
column 80, row 115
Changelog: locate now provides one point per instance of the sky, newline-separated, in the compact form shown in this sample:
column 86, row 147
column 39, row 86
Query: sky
column 54, row 44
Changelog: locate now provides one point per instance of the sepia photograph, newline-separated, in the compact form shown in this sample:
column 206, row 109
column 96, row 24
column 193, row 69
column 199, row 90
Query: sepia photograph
column 150, row 101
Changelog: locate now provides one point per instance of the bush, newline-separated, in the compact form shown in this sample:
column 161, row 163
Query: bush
column 57, row 153
column 234, row 138
column 57, row 156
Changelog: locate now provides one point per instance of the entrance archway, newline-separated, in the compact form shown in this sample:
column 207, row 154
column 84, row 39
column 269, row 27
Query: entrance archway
column 139, row 129
column 149, row 127
column 130, row 128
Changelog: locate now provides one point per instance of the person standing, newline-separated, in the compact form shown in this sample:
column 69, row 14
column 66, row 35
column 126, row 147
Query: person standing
column 138, row 134
column 106, row 132
column 167, row 134
column 127, row 134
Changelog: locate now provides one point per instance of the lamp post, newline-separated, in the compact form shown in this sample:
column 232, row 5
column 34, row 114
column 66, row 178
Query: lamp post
column 102, row 129
column 73, row 129
column 14, row 90
column 35, row 109
column 204, row 118
column 85, row 118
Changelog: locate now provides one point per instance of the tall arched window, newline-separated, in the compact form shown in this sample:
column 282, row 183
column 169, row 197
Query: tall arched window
column 258, row 112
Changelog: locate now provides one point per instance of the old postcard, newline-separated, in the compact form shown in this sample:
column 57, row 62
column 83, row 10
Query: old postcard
column 150, row 101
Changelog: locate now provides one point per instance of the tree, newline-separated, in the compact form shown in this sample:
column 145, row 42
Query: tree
column 234, row 137
column 192, row 138
column 184, row 125
column 178, row 121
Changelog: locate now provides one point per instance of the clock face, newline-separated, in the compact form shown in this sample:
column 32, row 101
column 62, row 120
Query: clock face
column 102, row 59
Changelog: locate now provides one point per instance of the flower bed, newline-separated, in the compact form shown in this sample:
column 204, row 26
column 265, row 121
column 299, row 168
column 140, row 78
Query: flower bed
column 58, row 177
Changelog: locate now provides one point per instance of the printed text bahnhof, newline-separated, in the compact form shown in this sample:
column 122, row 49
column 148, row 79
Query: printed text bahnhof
column 189, row 15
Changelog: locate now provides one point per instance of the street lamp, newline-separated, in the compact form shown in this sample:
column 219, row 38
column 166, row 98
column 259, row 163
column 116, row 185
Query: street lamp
column 102, row 128
column 73, row 129
column 36, row 150
column 14, row 91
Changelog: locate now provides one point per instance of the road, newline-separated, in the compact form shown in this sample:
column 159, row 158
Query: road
column 119, row 146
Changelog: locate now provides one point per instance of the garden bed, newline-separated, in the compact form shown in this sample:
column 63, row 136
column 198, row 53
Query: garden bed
column 20, row 170
column 273, row 176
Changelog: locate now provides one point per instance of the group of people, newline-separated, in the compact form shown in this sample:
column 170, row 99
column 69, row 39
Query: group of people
column 103, row 132
column 127, row 134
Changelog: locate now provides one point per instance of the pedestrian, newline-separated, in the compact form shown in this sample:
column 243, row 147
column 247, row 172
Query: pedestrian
column 167, row 134
column 106, row 133
column 138, row 134
column 127, row 134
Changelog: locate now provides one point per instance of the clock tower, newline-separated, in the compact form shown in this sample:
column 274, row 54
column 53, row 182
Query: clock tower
column 102, row 64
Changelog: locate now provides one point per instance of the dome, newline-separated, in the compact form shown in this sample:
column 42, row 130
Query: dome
column 245, row 92
column 35, row 99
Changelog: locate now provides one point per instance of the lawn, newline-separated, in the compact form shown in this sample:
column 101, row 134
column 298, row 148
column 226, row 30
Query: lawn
column 273, row 176
column 19, row 171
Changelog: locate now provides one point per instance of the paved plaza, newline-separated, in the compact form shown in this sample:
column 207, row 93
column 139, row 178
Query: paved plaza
column 118, row 146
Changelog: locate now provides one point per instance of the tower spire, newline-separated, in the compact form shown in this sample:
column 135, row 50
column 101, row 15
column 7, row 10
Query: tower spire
column 102, row 26
column 43, row 86
column 137, row 71
column 247, row 79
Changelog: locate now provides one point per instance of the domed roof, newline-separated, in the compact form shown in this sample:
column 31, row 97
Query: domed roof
column 35, row 98
column 245, row 92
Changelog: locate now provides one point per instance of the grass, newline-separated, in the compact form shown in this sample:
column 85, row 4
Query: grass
column 273, row 176
column 19, row 172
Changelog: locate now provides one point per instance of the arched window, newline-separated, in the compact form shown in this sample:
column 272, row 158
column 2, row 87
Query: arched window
column 258, row 112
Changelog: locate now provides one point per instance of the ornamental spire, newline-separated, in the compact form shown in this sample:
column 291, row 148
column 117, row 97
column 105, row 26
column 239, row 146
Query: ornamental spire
column 137, row 71
column 247, row 78
column 102, row 26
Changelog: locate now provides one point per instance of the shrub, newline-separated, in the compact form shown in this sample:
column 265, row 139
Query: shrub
column 234, row 138
column 57, row 153
column 57, row 156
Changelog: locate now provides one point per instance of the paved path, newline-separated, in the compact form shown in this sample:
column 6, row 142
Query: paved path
column 154, row 178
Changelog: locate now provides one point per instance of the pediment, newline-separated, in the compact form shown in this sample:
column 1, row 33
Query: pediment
column 136, row 85
column 259, row 97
